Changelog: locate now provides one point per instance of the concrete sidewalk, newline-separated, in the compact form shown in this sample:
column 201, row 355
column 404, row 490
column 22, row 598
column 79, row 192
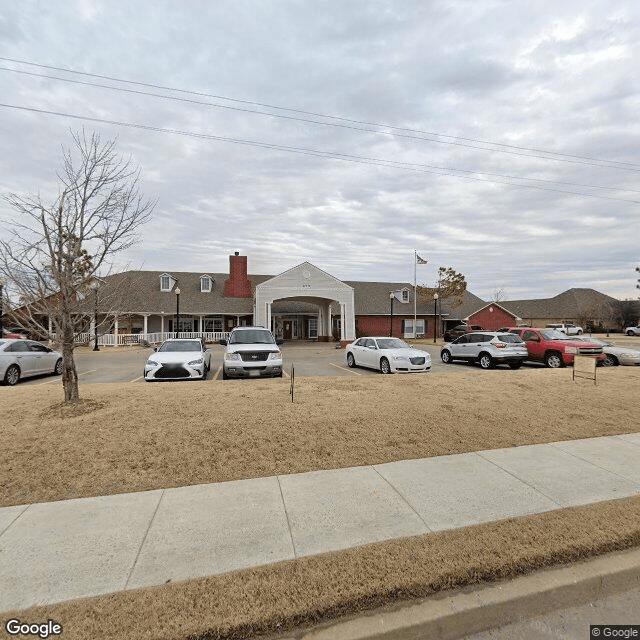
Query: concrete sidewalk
column 56, row 551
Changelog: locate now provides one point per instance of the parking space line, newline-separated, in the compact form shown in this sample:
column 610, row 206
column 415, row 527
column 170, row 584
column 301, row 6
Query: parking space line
column 57, row 378
column 215, row 377
column 337, row 366
column 138, row 378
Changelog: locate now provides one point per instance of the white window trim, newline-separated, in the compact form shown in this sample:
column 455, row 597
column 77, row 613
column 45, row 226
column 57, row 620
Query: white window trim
column 204, row 279
column 171, row 282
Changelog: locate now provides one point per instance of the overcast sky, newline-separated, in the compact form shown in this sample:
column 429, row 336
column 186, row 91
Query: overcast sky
column 452, row 113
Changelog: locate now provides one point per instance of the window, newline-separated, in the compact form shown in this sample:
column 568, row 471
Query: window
column 405, row 295
column 205, row 284
column 408, row 328
column 165, row 282
column 313, row 327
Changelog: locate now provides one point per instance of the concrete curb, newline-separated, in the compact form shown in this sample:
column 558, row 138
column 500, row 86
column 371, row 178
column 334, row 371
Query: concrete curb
column 453, row 614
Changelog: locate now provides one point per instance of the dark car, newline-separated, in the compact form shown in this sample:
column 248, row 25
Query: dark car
column 460, row 330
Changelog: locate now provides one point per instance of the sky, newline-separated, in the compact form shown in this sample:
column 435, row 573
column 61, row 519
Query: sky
column 498, row 138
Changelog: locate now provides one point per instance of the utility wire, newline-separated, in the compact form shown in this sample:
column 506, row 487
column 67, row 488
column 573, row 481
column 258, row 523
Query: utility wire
column 451, row 140
column 443, row 171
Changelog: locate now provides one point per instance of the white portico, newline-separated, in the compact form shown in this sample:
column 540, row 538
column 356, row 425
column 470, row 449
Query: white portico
column 307, row 284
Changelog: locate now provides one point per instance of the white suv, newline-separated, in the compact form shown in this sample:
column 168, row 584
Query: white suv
column 487, row 348
column 251, row 352
column 567, row 329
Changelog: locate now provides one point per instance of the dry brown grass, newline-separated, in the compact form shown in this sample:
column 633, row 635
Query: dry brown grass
column 289, row 594
column 140, row 437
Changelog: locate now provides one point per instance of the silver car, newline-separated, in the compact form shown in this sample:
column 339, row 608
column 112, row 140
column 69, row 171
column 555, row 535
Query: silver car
column 24, row 358
column 487, row 348
column 178, row 359
column 615, row 355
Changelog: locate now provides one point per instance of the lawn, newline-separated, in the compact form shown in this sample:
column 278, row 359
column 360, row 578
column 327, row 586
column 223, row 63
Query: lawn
column 135, row 437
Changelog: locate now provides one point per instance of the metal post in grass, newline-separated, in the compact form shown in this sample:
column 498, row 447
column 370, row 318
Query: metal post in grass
column 291, row 386
column 435, row 316
column 1, row 310
column 177, row 312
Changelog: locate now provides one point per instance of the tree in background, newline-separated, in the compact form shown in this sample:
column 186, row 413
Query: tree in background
column 56, row 250
column 451, row 286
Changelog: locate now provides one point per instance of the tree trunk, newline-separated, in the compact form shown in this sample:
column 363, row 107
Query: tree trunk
column 69, row 371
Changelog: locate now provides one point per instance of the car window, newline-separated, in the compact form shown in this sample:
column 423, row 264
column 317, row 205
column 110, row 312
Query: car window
column 475, row 337
column 36, row 346
column 529, row 335
column 251, row 336
column 552, row 334
column 392, row 343
column 462, row 339
column 369, row 343
column 360, row 342
column 181, row 345
column 18, row 346
column 509, row 337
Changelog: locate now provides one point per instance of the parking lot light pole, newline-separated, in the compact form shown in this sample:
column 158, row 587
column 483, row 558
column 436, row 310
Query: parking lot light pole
column 391, row 297
column 435, row 316
column 177, row 312
column 95, row 316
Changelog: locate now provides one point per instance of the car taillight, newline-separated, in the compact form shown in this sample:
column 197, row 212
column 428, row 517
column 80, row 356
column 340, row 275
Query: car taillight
column 500, row 345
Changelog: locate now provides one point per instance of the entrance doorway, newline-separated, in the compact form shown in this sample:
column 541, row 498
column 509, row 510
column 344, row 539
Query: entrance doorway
column 287, row 329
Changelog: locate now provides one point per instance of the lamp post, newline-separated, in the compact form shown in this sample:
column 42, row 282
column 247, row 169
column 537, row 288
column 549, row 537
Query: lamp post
column 435, row 317
column 95, row 286
column 177, row 312
column 391, row 297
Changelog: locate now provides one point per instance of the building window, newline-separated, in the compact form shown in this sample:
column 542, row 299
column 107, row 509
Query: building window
column 420, row 328
column 205, row 284
column 405, row 295
column 165, row 283
column 313, row 327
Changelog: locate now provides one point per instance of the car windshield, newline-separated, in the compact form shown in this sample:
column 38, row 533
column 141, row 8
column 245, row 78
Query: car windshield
column 509, row 337
column 181, row 345
column 251, row 336
column 552, row 334
column 392, row 343
column 2, row 342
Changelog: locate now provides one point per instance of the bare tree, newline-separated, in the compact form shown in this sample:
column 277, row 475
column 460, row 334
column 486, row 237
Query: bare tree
column 56, row 250
column 498, row 295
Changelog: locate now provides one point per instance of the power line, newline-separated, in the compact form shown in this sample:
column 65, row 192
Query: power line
column 450, row 140
column 334, row 155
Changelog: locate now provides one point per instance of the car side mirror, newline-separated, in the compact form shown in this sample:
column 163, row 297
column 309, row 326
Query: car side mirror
column 279, row 341
column 222, row 342
column 535, row 339
column 155, row 348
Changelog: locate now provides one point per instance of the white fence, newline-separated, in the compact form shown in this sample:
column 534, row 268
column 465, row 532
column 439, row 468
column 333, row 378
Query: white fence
column 123, row 339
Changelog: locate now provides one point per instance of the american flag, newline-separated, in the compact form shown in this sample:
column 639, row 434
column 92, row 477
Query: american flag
column 420, row 260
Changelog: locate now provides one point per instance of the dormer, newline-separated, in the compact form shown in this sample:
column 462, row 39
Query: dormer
column 404, row 295
column 166, row 282
column 206, row 284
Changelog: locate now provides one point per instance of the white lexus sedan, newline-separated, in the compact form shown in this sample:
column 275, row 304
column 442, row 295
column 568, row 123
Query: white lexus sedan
column 178, row 359
column 389, row 355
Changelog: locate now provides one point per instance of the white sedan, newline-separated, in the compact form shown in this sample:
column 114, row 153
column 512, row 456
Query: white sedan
column 615, row 355
column 389, row 355
column 24, row 358
column 178, row 359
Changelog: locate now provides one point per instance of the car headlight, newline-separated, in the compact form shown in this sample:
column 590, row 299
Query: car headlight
column 198, row 361
column 232, row 356
column 399, row 357
column 152, row 363
column 276, row 355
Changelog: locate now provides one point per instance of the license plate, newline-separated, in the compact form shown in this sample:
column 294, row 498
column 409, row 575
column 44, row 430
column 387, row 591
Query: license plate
column 254, row 374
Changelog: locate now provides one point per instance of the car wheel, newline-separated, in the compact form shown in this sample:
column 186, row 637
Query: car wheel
column 446, row 357
column 515, row 365
column 553, row 360
column 12, row 375
column 610, row 361
column 385, row 367
column 630, row 333
column 58, row 370
column 579, row 332
column 351, row 361
column 486, row 361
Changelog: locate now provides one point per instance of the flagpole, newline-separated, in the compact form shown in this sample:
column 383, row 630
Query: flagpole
column 415, row 279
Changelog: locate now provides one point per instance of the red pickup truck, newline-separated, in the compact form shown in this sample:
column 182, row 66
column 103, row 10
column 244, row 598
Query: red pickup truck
column 555, row 348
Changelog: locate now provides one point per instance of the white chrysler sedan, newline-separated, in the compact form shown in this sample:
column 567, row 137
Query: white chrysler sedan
column 178, row 359
column 389, row 355
column 24, row 358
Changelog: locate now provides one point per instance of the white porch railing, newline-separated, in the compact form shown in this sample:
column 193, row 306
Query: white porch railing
column 123, row 339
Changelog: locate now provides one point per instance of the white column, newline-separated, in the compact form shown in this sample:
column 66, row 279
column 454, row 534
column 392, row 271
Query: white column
column 268, row 315
column 201, row 324
column 115, row 331
column 144, row 324
column 342, row 319
column 162, row 326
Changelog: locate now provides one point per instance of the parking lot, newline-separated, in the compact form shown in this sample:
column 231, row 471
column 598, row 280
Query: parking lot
column 126, row 364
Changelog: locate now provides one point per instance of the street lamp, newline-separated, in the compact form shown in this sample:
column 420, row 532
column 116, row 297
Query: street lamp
column 435, row 317
column 94, row 285
column 177, row 312
column 391, row 297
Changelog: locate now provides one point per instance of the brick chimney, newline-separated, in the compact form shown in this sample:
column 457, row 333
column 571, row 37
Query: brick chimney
column 238, row 285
